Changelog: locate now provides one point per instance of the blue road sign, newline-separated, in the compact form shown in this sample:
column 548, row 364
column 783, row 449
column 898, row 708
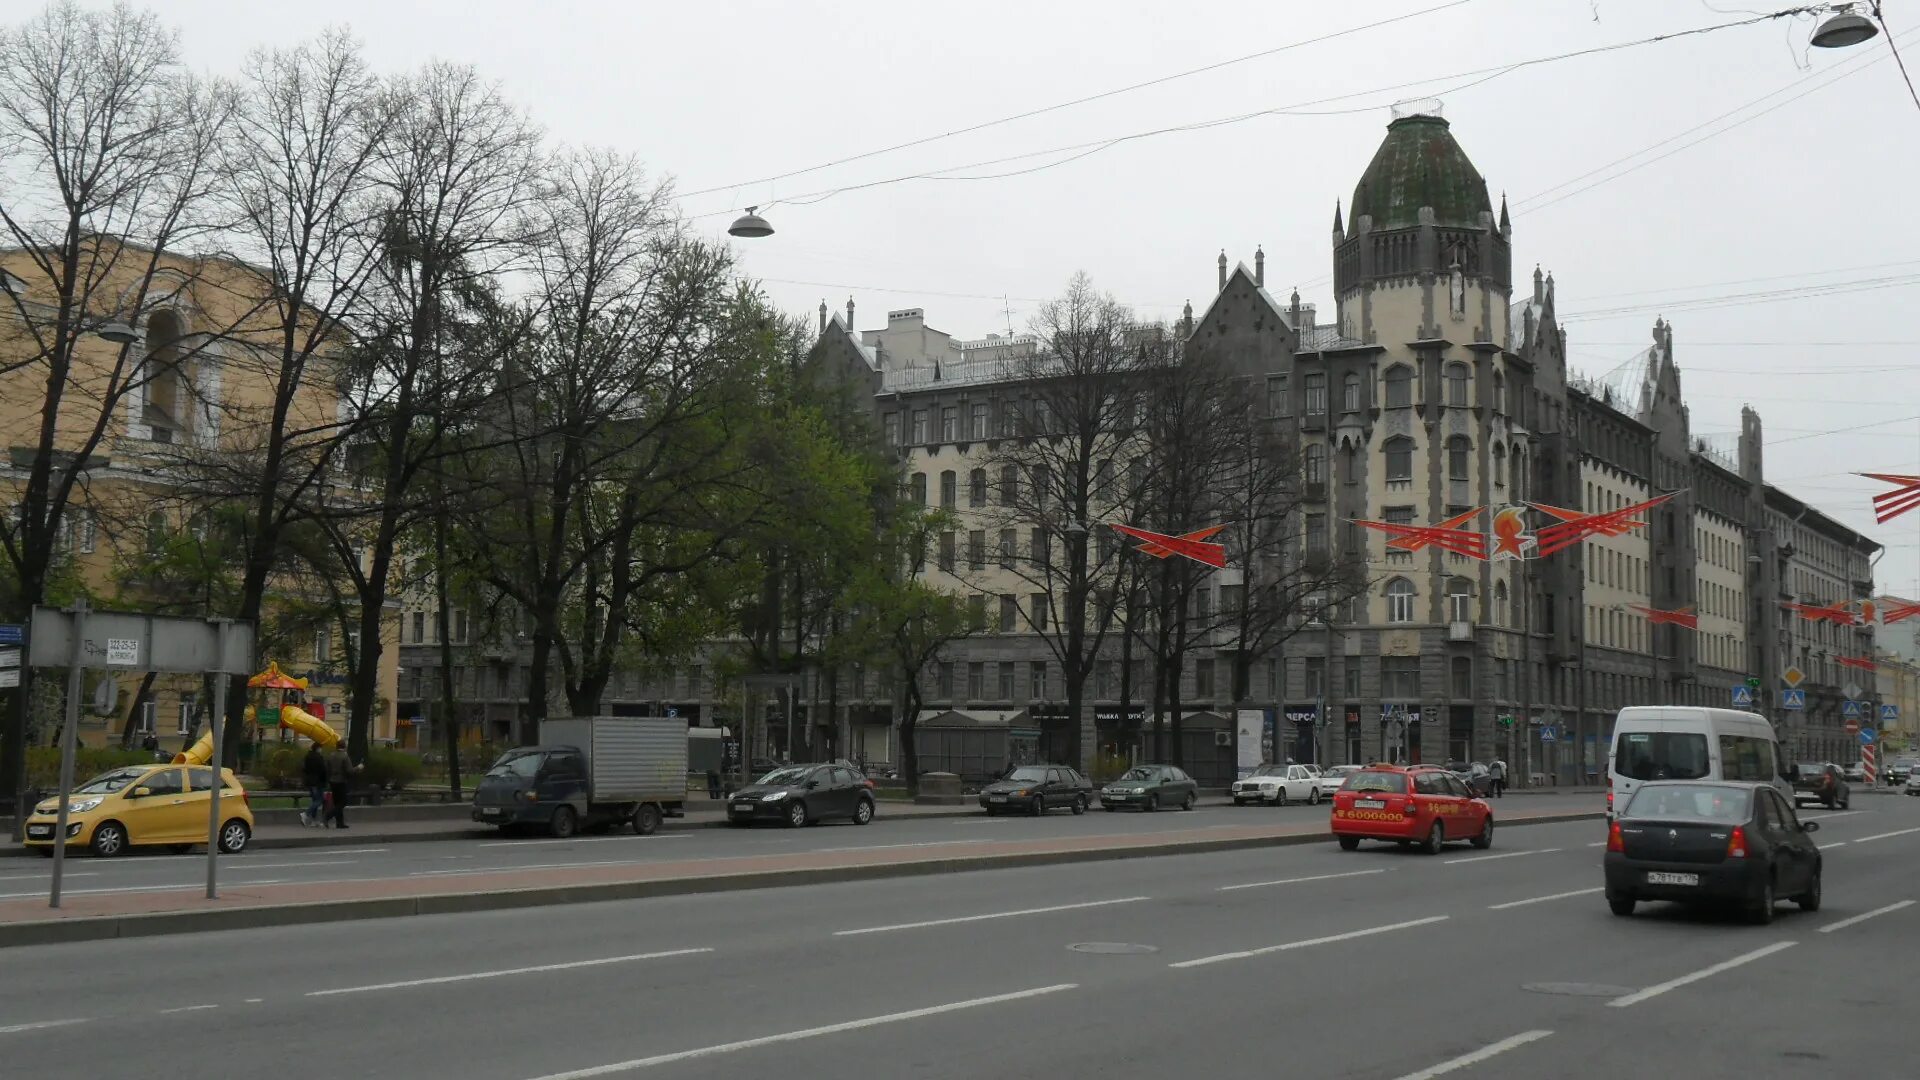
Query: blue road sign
column 1850, row 710
column 1866, row 735
column 11, row 633
column 1793, row 699
column 1546, row 734
column 1889, row 712
column 1743, row 695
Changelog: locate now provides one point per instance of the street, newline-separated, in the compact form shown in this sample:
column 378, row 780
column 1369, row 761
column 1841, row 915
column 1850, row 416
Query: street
column 1378, row 963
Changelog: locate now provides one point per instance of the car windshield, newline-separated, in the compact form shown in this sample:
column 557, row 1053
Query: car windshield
column 1374, row 780
column 789, row 775
column 1662, row 755
column 1811, row 771
column 1343, row 770
column 108, row 783
column 1032, row 773
column 520, row 764
column 1270, row 770
column 1141, row 773
column 1704, row 802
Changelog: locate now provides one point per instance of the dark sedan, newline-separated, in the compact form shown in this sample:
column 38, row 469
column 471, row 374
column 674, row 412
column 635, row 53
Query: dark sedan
column 798, row 794
column 1699, row 843
column 1150, row 787
column 1036, row 789
column 1824, row 784
column 1477, row 777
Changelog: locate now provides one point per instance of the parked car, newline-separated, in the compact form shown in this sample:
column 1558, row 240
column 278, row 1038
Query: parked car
column 1150, row 787
column 1855, row 773
column 1420, row 804
column 1821, row 783
column 1913, row 784
column 797, row 795
column 1700, row 842
column 139, row 805
column 1477, row 777
column 1276, row 785
column 1037, row 789
column 587, row 774
column 1333, row 777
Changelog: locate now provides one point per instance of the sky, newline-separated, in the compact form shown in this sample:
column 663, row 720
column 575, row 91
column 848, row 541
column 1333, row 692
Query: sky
column 1754, row 192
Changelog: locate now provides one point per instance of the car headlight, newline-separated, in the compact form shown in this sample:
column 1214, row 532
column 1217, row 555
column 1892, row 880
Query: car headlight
column 1137, row 791
column 83, row 806
column 774, row 796
column 1024, row 791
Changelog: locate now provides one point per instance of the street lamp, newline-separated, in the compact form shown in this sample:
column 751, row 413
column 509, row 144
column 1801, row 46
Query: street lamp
column 752, row 225
column 1844, row 29
column 117, row 332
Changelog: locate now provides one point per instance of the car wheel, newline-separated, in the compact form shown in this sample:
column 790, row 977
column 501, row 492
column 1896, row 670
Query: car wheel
column 1620, row 905
column 1080, row 805
column 991, row 812
column 563, row 823
column 109, row 839
column 1038, row 806
column 646, row 819
column 1485, row 839
column 1810, row 900
column 1153, row 804
column 1349, row 843
column 796, row 813
column 1313, row 796
column 863, row 812
column 1282, row 800
column 1187, row 804
column 1436, row 839
column 1109, row 809
column 1762, row 911
column 234, row 836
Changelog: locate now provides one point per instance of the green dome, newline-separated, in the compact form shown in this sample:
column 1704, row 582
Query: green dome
column 1419, row 164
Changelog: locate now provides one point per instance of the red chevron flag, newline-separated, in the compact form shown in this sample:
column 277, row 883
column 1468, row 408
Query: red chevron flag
column 1893, row 611
column 1839, row 612
column 1677, row 617
column 1891, row 504
column 1187, row 545
column 1864, row 663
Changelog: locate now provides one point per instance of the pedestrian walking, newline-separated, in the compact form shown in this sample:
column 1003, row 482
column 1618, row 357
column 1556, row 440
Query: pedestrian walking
column 1499, row 771
column 340, row 770
column 313, row 773
column 713, row 783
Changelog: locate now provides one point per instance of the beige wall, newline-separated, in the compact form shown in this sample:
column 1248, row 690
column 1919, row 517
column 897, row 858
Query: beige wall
column 1619, row 572
column 1720, row 574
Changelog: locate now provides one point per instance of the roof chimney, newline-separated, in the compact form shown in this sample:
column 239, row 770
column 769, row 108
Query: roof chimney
column 1259, row 266
column 849, row 314
column 823, row 316
column 1223, row 269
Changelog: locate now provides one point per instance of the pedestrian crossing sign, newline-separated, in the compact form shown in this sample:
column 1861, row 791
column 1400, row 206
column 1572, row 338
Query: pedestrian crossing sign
column 1889, row 712
column 1793, row 699
column 1742, row 695
column 1850, row 710
column 1546, row 734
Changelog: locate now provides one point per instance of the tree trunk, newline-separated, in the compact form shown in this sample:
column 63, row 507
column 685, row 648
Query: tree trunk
column 909, row 753
column 537, row 674
column 133, row 711
column 449, row 722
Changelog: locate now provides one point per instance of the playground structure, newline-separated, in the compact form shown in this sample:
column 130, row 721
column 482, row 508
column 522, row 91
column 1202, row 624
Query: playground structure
column 290, row 715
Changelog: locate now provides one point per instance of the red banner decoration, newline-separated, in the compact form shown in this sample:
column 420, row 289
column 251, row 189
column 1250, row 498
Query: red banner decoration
column 1509, row 538
column 1677, row 617
column 1839, row 612
column 1447, row 536
column 1891, row 504
column 1575, row 526
column 1893, row 611
column 1187, row 545
column 1864, row 663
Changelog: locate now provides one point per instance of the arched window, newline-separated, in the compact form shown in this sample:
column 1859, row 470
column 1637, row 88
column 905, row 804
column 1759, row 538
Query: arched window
column 1400, row 601
column 1457, row 376
column 1350, row 393
column 949, row 490
column 1399, row 451
column 977, row 488
column 920, row 489
column 1499, row 393
column 168, row 403
column 1459, row 600
column 1349, row 464
column 1459, row 451
column 1399, row 386
column 1499, row 465
column 1315, row 457
column 1499, row 613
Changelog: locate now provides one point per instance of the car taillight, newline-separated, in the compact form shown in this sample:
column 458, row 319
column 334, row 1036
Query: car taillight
column 1615, row 842
column 871, row 786
column 1409, row 808
column 1609, row 800
column 246, row 798
column 1737, row 843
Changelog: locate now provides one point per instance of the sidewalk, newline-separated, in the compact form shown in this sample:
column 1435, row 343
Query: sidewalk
column 143, row 912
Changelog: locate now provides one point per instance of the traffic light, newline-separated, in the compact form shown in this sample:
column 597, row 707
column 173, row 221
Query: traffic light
column 1753, row 682
column 1506, row 721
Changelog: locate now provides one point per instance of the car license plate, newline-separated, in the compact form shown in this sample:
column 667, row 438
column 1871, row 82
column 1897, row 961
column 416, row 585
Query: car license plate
column 996, row 798
column 39, row 832
column 1369, row 804
column 742, row 808
column 1656, row 878
column 490, row 811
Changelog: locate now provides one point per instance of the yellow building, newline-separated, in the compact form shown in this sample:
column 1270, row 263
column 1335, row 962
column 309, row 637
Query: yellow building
column 1898, row 683
column 192, row 397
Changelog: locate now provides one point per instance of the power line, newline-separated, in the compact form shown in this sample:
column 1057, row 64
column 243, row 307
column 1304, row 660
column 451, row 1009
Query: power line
column 1706, row 303
column 1081, row 100
column 1749, row 281
column 1895, row 50
column 1843, row 430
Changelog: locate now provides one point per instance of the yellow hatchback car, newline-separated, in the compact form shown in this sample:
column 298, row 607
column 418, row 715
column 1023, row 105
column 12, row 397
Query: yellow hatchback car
column 146, row 804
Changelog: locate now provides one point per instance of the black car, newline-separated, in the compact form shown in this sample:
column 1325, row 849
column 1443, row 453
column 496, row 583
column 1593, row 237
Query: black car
column 1150, row 787
column 1824, row 784
column 1037, row 789
column 1700, row 842
column 1477, row 777
column 799, row 794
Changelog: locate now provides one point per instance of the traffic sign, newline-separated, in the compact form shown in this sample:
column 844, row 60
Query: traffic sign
column 9, row 677
column 1793, row 676
column 1742, row 696
column 1546, row 734
column 1850, row 710
column 1793, row 699
column 1853, row 692
column 1889, row 712
column 1852, row 726
column 9, row 657
column 1867, row 735
column 10, row 633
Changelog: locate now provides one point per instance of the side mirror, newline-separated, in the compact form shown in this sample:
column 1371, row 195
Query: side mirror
column 141, row 792
column 1809, row 826
column 811, row 784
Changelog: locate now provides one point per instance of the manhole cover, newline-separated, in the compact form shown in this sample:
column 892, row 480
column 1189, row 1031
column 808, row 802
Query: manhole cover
column 1576, row 989
column 1113, row 948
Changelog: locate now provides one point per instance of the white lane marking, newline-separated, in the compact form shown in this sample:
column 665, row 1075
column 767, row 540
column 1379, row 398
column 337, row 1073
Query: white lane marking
column 1297, row 880
column 1673, row 984
column 1598, row 843
column 1506, row 855
column 994, row 915
column 1884, row 835
column 186, row 1008
column 255, row 1001
column 1544, row 899
column 38, row 1024
column 440, row 979
column 1842, row 813
column 1875, row 913
column 1478, row 1056
column 1328, row 940
column 805, row 1033
column 1833, row 844
column 44, row 876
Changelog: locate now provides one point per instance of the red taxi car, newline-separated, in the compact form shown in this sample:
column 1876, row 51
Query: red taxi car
column 1421, row 804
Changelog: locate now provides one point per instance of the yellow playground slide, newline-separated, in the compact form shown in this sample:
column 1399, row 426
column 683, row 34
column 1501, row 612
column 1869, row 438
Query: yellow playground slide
column 299, row 721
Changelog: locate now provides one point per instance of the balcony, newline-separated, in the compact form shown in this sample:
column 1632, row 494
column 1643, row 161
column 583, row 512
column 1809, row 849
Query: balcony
column 1459, row 631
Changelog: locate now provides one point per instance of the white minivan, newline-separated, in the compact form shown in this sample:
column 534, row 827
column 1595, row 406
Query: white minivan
column 1681, row 742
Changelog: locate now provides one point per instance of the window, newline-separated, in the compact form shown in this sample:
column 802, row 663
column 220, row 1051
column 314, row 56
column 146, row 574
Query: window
column 1675, row 755
column 1042, row 487
column 1203, row 679
column 1037, row 611
column 1499, row 465
column 1459, row 599
column 1277, row 395
column 949, row 490
column 163, row 782
column 1316, row 525
column 156, row 532
column 1460, row 681
column 1400, row 601
column 89, row 527
column 977, row 549
column 1351, row 673
column 945, row 683
column 1316, row 388
column 1399, row 387
column 977, row 488
column 946, row 551
column 1499, row 392
column 1459, row 452
column 1006, row 549
column 1399, row 678
column 1499, row 612
column 1744, row 758
column 1398, row 515
column 419, row 627
column 1009, row 484
column 976, row 681
column 977, row 424
column 322, row 646
column 919, row 426
column 1006, row 681
column 949, row 424
column 1349, row 464
column 1009, row 611
column 1315, row 456
column 1316, row 677
column 1457, row 386
column 1399, row 451
column 919, row 486
column 890, row 428
column 1232, row 597
column 1350, row 393
column 1037, row 680
column 459, row 628
column 1039, row 549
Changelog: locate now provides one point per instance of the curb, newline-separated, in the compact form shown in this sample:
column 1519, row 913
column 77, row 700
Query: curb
column 114, row 927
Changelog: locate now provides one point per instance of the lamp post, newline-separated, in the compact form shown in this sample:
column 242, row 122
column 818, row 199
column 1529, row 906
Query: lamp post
column 750, row 225
column 1846, row 28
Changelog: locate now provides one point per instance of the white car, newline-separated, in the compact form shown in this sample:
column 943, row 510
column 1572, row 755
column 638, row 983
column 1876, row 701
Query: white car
column 1334, row 777
column 1277, row 785
column 1913, row 783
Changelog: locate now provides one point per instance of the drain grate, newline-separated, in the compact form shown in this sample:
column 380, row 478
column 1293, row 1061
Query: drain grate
column 1578, row 989
column 1113, row 948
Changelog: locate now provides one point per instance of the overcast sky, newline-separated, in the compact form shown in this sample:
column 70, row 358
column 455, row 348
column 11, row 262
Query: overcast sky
column 1816, row 192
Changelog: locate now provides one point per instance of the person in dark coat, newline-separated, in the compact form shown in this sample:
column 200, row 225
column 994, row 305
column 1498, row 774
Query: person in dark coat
column 313, row 776
column 340, row 770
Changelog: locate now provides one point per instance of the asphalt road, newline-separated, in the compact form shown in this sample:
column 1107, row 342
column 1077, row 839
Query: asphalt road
column 1301, row 960
column 157, row 868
